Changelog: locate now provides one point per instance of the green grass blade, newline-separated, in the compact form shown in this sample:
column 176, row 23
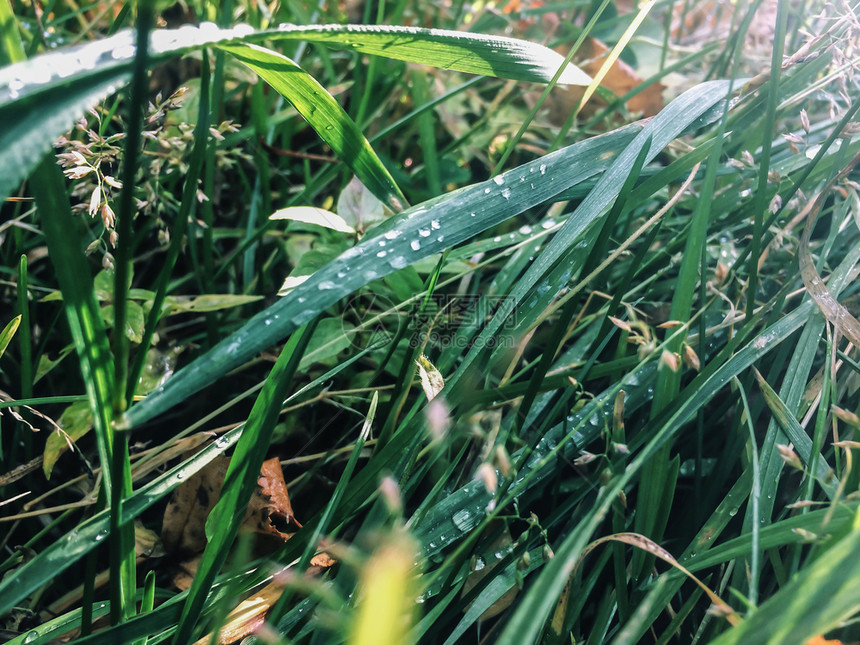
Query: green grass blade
column 241, row 478
column 472, row 53
column 816, row 600
column 673, row 120
column 325, row 115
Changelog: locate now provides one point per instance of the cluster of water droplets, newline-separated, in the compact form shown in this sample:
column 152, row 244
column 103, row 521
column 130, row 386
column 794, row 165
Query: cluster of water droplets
column 115, row 51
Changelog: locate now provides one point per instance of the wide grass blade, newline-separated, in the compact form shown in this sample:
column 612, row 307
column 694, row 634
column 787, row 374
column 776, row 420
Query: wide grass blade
column 681, row 114
column 41, row 98
column 417, row 233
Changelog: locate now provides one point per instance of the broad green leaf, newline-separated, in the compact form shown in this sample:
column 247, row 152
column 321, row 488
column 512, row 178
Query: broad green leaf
column 134, row 322
column 206, row 302
column 359, row 207
column 46, row 364
column 331, row 337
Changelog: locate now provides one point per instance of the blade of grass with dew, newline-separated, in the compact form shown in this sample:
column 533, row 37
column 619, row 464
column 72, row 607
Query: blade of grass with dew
column 41, row 98
column 661, row 130
column 449, row 219
column 473, row 53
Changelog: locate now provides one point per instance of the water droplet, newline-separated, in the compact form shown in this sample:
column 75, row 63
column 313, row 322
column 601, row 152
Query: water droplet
column 423, row 232
column 432, row 545
column 301, row 299
column 525, row 230
column 435, row 225
column 341, row 274
column 326, row 284
column 382, row 242
column 32, row 637
column 499, row 180
column 487, row 190
column 547, row 224
column 390, row 235
column 180, row 475
column 543, row 169
column 497, row 239
column 267, row 322
column 440, row 238
column 416, row 245
column 223, row 441
column 101, row 535
column 478, row 564
column 506, row 193
column 471, row 214
column 382, row 254
column 464, row 520
column 398, row 263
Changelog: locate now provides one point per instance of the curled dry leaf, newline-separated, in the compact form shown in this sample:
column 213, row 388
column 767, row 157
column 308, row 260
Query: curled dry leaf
column 269, row 511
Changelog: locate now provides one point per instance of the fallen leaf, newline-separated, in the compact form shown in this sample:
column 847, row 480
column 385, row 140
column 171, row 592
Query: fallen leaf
column 184, row 522
column 269, row 510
